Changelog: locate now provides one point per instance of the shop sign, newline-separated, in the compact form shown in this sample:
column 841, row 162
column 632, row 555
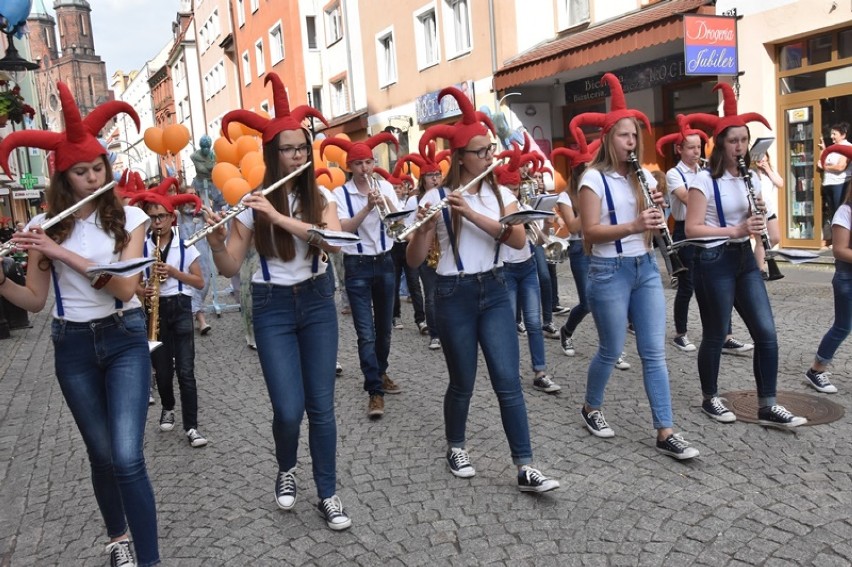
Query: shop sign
column 429, row 109
column 710, row 45
column 636, row 78
column 26, row 194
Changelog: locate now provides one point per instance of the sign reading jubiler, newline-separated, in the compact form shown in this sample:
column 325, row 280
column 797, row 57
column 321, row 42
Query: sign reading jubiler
column 710, row 45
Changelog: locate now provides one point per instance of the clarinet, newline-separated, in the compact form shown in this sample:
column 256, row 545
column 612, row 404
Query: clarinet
column 667, row 247
column 745, row 173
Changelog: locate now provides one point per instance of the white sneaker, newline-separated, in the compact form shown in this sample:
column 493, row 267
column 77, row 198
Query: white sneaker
column 435, row 344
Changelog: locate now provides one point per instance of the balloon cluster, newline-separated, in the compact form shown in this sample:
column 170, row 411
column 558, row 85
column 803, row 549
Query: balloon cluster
column 333, row 155
column 239, row 165
column 171, row 139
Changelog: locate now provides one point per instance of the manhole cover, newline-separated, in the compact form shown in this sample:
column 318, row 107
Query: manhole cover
column 817, row 409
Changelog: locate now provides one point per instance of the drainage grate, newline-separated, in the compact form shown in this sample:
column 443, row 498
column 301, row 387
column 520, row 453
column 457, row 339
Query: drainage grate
column 816, row 408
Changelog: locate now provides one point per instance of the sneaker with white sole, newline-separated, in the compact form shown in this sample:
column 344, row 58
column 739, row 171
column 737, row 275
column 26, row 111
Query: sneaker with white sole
column 718, row 410
column 120, row 554
column 423, row 328
column 683, row 344
column 335, row 516
column 531, row 480
column 779, row 416
column 676, row 447
column 566, row 342
column 167, row 420
column 622, row 364
column 736, row 347
column 559, row 310
column 285, row 489
column 550, row 331
column 338, row 368
column 819, row 381
column 435, row 344
column 459, row 462
column 397, row 323
column 196, row 439
column 596, row 424
column 545, row 383
column 522, row 329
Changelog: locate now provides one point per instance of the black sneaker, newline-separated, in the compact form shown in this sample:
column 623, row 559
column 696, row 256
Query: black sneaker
column 167, row 420
column 717, row 410
column 550, row 331
column 196, row 439
column 338, row 368
column 120, row 554
column 559, row 310
column 819, row 381
column 531, row 480
column 778, row 416
column 335, row 516
column 734, row 346
column 545, row 383
column 285, row 489
column 676, row 447
column 522, row 329
column 596, row 424
column 566, row 342
column 459, row 462
column 682, row 343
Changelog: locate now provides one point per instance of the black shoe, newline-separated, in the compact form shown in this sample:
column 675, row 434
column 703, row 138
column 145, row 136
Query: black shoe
column 778, row 416
column 596, row 424
column 335, row 516
column 676, row 447
column 531, row 480
column 120, row 554
column 459, row 462
column 285, row 489
column 819, row 381
column 717, row 410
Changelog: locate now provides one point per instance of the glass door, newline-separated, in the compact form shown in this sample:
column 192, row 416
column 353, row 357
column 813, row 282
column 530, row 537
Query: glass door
column 802, row 220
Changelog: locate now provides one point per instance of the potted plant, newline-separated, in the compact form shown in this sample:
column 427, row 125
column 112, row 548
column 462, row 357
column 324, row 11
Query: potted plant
column 12, row 105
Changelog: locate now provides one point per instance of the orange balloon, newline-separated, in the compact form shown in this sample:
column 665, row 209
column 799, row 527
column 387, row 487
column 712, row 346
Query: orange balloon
column 234, row 189
column 264, row 114
column 225, row 151
column 338, row 178
column 247, row 131
column 411, row 168
column 316, row 144
column 318, row 161
column 255, row 175
column 321, row 180
column 235, row 131
column 175, row 137
column 559, row 183
column 334, row 154
column 343, row 136
column 246, row 144
column 154, row 140
column 249, row 161
column 445, row 167
column 222, row 172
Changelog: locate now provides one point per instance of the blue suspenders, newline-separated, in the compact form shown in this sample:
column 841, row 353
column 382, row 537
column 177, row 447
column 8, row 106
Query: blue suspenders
column 613, row 220
column 264, row 265
column 352, row 215
column 448, row 222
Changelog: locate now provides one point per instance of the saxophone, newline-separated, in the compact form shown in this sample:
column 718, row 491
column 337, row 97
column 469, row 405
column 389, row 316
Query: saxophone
column 434, row 254
column 154, row 301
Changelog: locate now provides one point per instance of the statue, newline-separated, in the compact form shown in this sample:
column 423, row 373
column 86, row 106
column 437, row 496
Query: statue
column 204, row 160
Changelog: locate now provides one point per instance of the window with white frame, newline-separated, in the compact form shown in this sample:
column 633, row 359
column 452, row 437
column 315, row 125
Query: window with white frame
column 241, row 13
column 339, row 98
column 333, row 23
column 276, row 44
column 259, row 61
column 573, row 12
column 246, row 62
column 386, row 54
column 426, row 37
column 214, row 81
column 457, row 28
column 254, row 6
column 316, row 98
column 311, row 31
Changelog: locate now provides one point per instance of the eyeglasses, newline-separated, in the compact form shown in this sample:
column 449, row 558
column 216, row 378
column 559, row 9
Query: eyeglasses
column 482, row 153
column 432, row 174
column 291, row 151
column 159, row 218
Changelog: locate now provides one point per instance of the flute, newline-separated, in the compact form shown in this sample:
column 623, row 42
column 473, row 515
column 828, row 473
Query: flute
column 7, row 247
column 745, row 173
column 209, row 229
column 443, row 203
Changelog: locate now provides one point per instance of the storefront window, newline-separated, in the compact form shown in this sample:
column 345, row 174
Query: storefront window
column 800, row 176
column 791, row 56
column 815, row 80
column 844, row 44
column 819, row 50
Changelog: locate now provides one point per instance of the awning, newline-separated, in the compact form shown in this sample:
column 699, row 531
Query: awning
column 658, row 24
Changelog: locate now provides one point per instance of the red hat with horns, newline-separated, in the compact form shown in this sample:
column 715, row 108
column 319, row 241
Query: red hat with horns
column 678, row 137
column 285, row 119
column 428, row 162
column 129, row 184
column 617, row 111
column 359, row 150
column 509, row 174
column 729, row 116
column 842, row 149
column 157, row 196
column 473, row 123
column 78, row 143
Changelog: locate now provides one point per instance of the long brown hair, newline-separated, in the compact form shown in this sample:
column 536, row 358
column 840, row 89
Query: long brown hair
column 453, row 181
column 271, row 240
column 717, row 156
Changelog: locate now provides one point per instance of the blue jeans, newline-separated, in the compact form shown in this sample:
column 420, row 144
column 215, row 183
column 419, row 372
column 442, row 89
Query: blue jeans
column 369, row 285
column 580, row 270
column 474, row 309
column 296, row 332
column 412, row 280
column 727, row 276
column 103, row 368
column 177, row 355
column 522, row 280
column 629, row 287
column 545, row 286
column 429, row 277
column 684, row 280
column 842, row 284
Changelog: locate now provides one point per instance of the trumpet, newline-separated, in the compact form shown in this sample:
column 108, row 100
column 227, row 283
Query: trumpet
column 443, row 203
column 393, row 222
column 745, row 173
column 9, row 246
column 667, row 247
column 209, row 229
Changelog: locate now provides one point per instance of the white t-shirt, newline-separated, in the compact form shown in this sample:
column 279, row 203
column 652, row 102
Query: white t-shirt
column 410, row 205
column 476, row 247
column 734, row 198
column 298, row 269
column 80, row 300
column 769, row 192
column 843, row 217
column 565, row 199
column 171, row 286
column 674, row 180
column 511, row 255
column 830, row 178
column 624, row 200
column 372, row 227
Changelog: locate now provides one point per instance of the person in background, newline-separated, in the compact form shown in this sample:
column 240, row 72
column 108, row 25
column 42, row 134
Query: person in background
column 98, row 332
column 836, row 169
column 190, row 221
column 770, row 183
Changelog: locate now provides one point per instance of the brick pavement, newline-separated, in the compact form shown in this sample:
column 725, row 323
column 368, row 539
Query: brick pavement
column 754, row 497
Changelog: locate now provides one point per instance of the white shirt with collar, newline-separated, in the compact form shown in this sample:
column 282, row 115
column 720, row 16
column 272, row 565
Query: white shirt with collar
column 733, row 196
column 80, row 301
column 624, row 201
column 371, row 227
column 171, row 286
column 476, row 247
column 679, row 176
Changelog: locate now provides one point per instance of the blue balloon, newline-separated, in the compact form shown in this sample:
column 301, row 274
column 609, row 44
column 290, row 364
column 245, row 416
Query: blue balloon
column 16, row 12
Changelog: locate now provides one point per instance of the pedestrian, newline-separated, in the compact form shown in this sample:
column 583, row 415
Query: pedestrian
column 177, row 269
column 190, row 221
column 726, row 273
column 362, row 203
column 295, row 324
column 624, row 280
column 98, row 331
column 818, row 375
column 836, row 170
column 770, row 183
column 472, row 302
